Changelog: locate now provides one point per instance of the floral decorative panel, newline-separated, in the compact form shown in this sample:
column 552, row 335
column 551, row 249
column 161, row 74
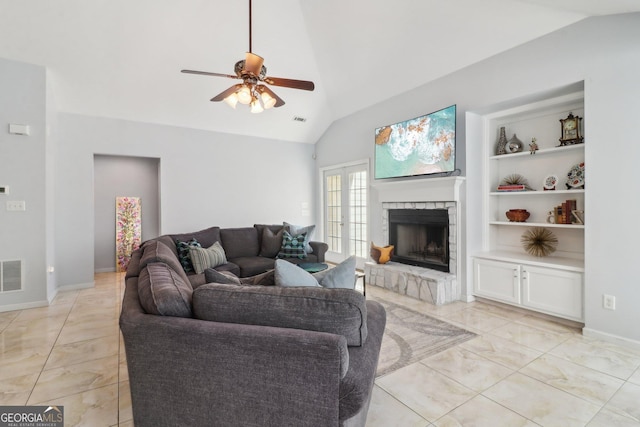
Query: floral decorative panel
column 128, row 229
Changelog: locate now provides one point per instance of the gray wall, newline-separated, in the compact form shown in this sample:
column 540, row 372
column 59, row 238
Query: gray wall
column 23, row 168
column 116, row 176
column 604, row 53
column 206, row 179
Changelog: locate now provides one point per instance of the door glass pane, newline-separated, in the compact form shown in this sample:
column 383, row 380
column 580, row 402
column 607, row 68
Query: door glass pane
column 358, row 214
column 334, row 213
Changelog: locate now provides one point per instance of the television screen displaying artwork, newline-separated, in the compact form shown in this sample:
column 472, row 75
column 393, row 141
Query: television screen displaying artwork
column 421, row 146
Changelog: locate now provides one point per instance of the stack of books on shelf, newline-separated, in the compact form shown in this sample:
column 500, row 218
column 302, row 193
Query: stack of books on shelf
column 512, row 187
column 562, row 213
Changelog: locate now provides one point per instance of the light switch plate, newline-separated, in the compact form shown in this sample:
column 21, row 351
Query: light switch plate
column 4, row 189
column 16, row 205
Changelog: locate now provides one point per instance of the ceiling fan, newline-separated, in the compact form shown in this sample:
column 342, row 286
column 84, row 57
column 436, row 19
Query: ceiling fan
column 253, row 74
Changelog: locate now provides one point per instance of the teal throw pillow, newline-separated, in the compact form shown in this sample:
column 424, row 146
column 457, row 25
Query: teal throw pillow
column 292, row 246
column 183, row 253
column 298, row 229
column 289, row 275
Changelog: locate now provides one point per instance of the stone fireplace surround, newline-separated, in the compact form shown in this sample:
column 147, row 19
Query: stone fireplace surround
column 429, row 285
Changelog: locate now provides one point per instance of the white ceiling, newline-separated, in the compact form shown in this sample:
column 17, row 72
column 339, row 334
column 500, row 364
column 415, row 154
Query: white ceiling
column 122, row 58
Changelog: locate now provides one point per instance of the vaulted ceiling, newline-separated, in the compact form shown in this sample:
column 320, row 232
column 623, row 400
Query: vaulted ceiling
column 122, row 58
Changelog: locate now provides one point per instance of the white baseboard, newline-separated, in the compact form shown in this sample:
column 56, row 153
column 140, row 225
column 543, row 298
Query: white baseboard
column 615, row 339
column 24, row 306
column 467, row 298
column 76, row 287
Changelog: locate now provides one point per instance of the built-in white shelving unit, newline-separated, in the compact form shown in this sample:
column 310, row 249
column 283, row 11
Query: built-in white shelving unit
column 503, row 270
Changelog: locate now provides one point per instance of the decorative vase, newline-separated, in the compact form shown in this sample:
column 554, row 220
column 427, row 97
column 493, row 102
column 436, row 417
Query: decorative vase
column 502, row 142
column 514, row 145
column 517, row 215
column 381, row 254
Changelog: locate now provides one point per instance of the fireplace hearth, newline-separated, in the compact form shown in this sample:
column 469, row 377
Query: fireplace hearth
column 420, row 237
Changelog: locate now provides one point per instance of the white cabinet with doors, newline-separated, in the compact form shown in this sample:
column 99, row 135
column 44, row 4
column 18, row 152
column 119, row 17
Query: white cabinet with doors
column 503, row 270
column 547, row 289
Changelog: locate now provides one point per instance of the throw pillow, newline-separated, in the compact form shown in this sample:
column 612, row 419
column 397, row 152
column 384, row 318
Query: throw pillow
column 292, row 246
column 183, row 253
column 342, row 275
column 224, row 277
column 336, row 311
column 207, row 258
column 297, row 229
column 271, row 243
column 268, row 278
column 289, row 275
column 163, row 292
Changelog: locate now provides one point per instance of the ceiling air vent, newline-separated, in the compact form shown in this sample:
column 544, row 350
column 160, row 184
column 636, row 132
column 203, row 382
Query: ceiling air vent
column 299, row 119
column 10, row 276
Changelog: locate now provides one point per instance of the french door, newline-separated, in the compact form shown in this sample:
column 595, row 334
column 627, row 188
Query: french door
column 345, row 196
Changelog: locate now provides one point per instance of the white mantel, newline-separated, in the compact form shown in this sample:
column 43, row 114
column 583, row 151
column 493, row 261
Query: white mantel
column 446, row 189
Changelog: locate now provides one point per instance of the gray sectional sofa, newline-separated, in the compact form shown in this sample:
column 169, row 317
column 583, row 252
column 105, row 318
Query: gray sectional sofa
column 212, row 354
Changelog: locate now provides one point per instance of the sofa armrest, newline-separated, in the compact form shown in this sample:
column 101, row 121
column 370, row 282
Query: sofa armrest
column 319, row 249
column 200, row 373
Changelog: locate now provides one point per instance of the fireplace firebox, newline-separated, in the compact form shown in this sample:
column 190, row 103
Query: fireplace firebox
column 420, row 237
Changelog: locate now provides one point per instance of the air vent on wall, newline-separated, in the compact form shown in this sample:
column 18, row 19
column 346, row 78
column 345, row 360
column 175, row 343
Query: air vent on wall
column 10, row 276
column 299, row 119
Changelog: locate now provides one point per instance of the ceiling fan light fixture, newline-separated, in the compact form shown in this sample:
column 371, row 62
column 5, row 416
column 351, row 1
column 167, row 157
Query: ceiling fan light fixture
column 232, row 100
column 256, row 106
column 267, row 100
column 244, row 95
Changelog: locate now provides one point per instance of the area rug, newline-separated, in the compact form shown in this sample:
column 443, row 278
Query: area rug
column 411, row 336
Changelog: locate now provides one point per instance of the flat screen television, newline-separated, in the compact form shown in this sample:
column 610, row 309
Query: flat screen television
column 422, row 146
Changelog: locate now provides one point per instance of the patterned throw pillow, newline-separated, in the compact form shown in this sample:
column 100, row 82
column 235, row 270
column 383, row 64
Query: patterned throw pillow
column 292, row 246
column 183, row 253
column 298, row 229
column 210, row 257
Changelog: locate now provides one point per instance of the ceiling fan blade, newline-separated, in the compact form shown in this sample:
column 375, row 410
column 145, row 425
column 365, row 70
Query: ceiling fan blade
column 221, row 96
column 253, row 63
column 295, row 84
column 206, row 73
column 279, row 101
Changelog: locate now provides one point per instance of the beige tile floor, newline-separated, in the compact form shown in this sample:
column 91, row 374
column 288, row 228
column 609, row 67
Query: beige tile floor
column 521, row 370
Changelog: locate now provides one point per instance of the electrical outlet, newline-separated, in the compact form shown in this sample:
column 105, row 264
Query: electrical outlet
column 609, row 302
column 16, row 205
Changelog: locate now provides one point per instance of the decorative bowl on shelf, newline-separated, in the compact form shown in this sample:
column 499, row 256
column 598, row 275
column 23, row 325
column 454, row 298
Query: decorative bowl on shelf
column 517, row 215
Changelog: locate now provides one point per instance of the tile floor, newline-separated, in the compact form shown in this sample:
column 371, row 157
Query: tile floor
column 521, row 370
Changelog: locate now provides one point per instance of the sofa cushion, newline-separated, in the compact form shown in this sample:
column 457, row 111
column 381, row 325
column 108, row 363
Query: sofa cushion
column 290, row 275
column 206, row 237
column 183, row 253
column 292, row 246
column 271, row 242
column 162, row 291
column 156, row 251
column 298, row 229
column 240, row 242
column 337, row 311
column 252, row 265
column 223, row 277
column 203, row 258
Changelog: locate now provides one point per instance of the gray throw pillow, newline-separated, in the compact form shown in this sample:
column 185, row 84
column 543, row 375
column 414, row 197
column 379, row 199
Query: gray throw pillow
column 298, row 229
column 224, row 277
column 342, row 275
column 268, row 278
column 163, row 292
column 289, row 275
column 337, row 311
column 210, row 257
column 271, row 243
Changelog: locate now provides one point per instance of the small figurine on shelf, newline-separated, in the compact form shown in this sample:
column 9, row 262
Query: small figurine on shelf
column 533, row 147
